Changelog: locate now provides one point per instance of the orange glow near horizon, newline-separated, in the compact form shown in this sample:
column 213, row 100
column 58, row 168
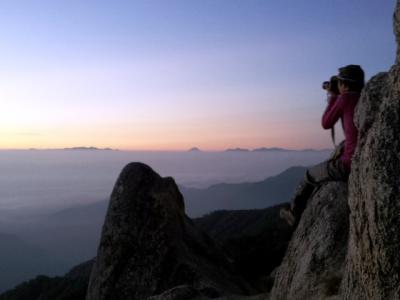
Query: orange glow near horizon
column 164, row 137
column 248, row 130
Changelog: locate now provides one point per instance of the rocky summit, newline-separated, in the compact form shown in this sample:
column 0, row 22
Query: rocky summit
column 149, row 246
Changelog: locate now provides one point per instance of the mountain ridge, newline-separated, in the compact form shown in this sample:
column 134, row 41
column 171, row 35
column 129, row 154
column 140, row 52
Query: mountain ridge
column 260, row 194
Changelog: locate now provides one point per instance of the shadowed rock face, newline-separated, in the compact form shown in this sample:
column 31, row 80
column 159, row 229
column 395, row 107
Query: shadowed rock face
column 314, row 261
column 373, row 270
column 148, row 245
column 396, row 25
column 189, row 293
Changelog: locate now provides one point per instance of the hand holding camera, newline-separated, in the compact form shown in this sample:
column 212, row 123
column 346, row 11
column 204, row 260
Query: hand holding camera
column 331, row 86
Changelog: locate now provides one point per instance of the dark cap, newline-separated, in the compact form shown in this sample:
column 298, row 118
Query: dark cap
column 353, row 73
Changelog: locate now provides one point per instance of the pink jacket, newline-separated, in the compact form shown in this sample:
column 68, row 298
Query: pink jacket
column 342, row 107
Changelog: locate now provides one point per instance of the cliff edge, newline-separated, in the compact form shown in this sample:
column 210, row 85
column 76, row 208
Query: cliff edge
column 314, row 262
column 367, row 264
column 373, row 269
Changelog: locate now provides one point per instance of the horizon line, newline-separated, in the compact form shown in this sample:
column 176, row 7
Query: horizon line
column 192, row 149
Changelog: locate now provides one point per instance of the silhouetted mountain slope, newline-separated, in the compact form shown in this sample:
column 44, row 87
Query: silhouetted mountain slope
column 72, row 286
column 271, row 191
column 71, row 234
column 255, row 239
column 79, row 214
column 80, row 271
column 51, row 244
column 20, row 261
column 226, row 224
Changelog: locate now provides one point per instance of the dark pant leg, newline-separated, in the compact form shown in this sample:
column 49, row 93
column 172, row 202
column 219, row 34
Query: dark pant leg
column 330, row 170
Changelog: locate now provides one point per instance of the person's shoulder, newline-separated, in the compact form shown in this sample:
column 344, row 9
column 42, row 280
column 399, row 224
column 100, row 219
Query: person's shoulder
column 350, row 98
column 351, row 95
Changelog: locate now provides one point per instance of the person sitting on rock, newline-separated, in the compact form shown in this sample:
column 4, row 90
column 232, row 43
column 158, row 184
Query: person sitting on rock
column 350, row 82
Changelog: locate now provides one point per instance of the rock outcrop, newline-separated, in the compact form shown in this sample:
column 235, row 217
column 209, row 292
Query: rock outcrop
column 149, row 246
column 373, row 270
column 314, row 262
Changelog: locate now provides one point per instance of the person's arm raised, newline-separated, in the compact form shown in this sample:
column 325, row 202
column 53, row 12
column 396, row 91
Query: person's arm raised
column 333, row 112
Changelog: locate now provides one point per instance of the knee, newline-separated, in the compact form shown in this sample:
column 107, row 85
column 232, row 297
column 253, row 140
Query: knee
column 308, row 178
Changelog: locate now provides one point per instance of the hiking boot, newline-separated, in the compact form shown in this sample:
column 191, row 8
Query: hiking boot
column 287, row 214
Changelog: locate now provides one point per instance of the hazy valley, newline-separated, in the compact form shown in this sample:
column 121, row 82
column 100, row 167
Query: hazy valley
column 62, row 197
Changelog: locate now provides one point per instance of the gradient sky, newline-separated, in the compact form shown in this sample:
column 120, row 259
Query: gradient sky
column 170, row 75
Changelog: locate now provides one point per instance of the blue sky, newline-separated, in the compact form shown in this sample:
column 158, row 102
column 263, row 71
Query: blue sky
column 176, row 74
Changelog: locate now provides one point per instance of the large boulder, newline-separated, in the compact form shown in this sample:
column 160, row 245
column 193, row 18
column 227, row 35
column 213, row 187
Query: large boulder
column 372, row 264
column 149, row 246
column 373, row 270
column 314, row 262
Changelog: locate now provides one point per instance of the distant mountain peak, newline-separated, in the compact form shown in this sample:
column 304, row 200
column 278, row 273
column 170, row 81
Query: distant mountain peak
column 264, row 149
column 271, row 149
column 194, row 149
column 237, row 150
column 86, row 148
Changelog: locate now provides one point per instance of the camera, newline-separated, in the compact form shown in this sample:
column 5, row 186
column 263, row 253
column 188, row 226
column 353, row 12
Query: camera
column 326, row 85
column 331, row 86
